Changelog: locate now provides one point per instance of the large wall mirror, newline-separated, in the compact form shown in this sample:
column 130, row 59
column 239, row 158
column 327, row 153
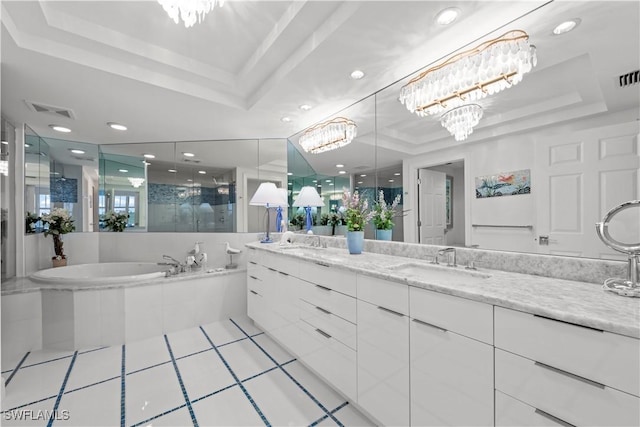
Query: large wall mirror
column 569, row 130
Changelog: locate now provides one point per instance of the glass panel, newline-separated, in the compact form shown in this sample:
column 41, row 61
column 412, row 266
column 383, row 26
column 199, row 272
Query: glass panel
column 7, row 200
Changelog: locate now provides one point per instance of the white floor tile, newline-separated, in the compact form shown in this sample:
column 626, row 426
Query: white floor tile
column 95, row 366
column 145, row 353
column 314, row 385
column 327, row 422
column 351, row 417
column 29, row 415
column 152, row 392
column 180, row 417
column 204, row 373
column 245, row 359
column 35, row 383
column 270, row 346
column 98, row 405
column 187, row 341
column 39, row 356
column 228, row 408
column 281, row 401
column 246, row 324
column 223, row 332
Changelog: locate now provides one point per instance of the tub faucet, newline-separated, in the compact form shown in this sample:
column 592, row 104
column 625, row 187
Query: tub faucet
column 179, row 267
column 451, row 256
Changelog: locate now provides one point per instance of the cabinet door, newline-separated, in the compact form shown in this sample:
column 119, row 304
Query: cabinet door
column 383, row 364
column 451, row 378
column 285, row 328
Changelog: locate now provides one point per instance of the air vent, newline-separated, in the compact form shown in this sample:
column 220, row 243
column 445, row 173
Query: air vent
column 629, row 79
column 39, row 107
column 190, row 161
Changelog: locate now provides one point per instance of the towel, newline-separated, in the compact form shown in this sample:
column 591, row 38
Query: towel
column 287, row 238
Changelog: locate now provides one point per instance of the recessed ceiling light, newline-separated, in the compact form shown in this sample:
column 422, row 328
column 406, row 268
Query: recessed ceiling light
column 363, row 175
column 447, row 16
column 55, row 173
column 145, row 162
column 116, row 126
column 188, row 154
column 357, row 74
column 173, row 170
column 390, row 180
column 327, row 180
column 148, row 156
column 566, row 26
column 123, row 170
column 285, row 119
column 76, row 151
column 397, row 174
column 291, row 183
column 202, row 172
column 289, row 173
column 60, row 128
column 342, row 172
column 189, row 180
column 359, row 182
column 331, row 183
column 305, row 107
column 314, row 181
column 5, row 142
column 339, row 166
column 27, row 145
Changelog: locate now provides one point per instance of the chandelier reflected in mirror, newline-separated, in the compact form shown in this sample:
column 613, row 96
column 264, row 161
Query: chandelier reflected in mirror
column 328, row 135
column 467, row 77
column 189, row 10
column 460, row 121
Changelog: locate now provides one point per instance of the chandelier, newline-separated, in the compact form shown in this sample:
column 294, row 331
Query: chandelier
column 471, row 75
column 328, row 135
column 189, row 10
column 136, row 182
column 460, row 121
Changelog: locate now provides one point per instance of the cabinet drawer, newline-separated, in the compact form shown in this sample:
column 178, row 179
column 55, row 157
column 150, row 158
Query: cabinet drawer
column 254, row 256
column 329, row 358
column 610, row 359
column 282, row 264
column 472, row 319
column 384, row 293
column 255, row 281
column 565, row 396
column 338, row 328
column 330, row 277
column 511, row 412
column 339, row 304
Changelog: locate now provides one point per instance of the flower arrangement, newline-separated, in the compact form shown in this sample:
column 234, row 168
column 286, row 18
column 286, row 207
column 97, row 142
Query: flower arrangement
column 357, row 213
column 59, row 222
column 384, row 213
column 30, row 222
column 116, row 221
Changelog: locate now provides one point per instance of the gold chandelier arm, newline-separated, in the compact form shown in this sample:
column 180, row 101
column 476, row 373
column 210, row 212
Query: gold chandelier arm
column 330, row 122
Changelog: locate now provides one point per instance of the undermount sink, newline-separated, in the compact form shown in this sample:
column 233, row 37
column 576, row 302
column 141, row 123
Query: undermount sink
column 438, row 273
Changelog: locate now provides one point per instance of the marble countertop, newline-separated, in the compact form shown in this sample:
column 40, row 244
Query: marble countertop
column 24, row 284
column 585, row 304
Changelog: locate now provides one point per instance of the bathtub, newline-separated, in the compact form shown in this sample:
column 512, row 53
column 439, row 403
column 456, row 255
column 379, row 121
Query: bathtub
column 101, row 274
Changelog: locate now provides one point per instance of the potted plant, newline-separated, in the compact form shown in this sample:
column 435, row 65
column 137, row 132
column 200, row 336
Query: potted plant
column 324, row 229
column 357, row 214
column 383, row 214
column 57, row 223
column 30, row 222
column 116, row 221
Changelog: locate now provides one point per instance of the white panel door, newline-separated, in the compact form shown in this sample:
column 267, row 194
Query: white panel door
column 579, row 177
column 432, row 206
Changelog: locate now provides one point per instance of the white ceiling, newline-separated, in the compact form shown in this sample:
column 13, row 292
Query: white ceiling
column 248, row 64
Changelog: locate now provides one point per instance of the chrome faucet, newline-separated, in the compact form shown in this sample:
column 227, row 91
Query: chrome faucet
column 315, row 241
column 451, row 256
column 177, row 266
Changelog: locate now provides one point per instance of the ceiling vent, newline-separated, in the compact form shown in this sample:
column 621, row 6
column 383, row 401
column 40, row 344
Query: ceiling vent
column 191, row 161
column 629, row 79
column 39, row 107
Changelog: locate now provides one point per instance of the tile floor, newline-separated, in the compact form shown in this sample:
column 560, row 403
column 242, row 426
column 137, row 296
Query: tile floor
column 221, row 374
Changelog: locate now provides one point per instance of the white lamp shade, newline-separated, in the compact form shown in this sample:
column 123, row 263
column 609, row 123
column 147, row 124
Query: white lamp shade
column 308, row 196
column 266, row 194
column 284, row 194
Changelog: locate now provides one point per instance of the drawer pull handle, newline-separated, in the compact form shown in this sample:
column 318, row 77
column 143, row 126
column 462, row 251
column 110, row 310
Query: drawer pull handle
column 390, row 311
column 569, row 374
column 254, row 277
column 323, row 287
column 272, row 269
column 283, row 273
column 323, row 310
column 253, row 262
column 322, row 264
column 552, row 418
column 568, row 323
column 430, row 325
column 323, row 333
column 253, row 249
column 253, row 292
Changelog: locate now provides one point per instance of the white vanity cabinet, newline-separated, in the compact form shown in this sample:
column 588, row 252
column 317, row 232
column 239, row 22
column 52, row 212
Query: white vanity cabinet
column 451, row 360
column 383, row 350
column 564, row 372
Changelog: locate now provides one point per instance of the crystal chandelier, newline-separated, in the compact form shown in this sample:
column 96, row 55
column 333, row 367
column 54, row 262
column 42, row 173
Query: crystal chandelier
column 328, row 135
column 189, row 10
column 471, row 75
column 460, row 121
column 136, row 182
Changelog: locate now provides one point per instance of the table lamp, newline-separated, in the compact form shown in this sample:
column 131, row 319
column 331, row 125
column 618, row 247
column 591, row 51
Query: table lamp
column 307, row 198
column 283, row 203
column 266, row 195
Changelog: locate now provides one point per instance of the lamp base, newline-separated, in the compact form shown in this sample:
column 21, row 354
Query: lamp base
column 266, row 240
